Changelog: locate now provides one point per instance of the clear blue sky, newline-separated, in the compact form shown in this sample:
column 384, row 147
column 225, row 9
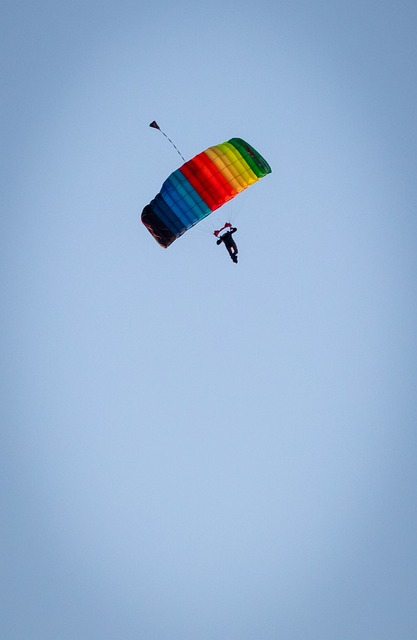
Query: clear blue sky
column 194, row 450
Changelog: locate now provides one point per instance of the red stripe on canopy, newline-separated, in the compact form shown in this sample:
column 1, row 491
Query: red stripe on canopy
column 208, row 181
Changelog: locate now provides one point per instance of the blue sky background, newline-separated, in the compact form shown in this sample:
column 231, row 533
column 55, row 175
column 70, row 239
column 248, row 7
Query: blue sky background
column 193, row 450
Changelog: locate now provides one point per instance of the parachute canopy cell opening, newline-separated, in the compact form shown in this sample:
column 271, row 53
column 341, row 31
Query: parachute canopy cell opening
column 200, row 186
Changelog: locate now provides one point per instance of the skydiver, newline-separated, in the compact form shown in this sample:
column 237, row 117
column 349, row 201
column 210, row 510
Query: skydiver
column 228, row 241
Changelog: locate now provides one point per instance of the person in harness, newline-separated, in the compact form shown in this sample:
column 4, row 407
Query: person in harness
column 228, row 240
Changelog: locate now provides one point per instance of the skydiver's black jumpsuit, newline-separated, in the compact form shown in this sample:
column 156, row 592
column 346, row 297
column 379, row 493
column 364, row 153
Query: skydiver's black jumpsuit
column 229, row 243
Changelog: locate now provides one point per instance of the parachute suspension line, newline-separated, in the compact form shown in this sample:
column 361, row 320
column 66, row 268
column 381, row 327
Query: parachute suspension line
column 237, row 205
column 155, row 125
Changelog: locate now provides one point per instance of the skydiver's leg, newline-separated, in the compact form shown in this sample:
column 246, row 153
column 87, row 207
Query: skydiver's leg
column 232, row 254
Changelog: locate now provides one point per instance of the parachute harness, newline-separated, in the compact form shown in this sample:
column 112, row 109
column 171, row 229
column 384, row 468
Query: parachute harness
column 225, row 226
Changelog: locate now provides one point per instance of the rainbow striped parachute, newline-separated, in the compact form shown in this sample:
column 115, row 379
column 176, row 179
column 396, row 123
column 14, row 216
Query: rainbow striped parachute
column 200, row 186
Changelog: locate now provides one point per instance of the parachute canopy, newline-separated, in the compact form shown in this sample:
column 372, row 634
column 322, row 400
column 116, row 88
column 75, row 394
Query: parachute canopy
column 200, row 186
